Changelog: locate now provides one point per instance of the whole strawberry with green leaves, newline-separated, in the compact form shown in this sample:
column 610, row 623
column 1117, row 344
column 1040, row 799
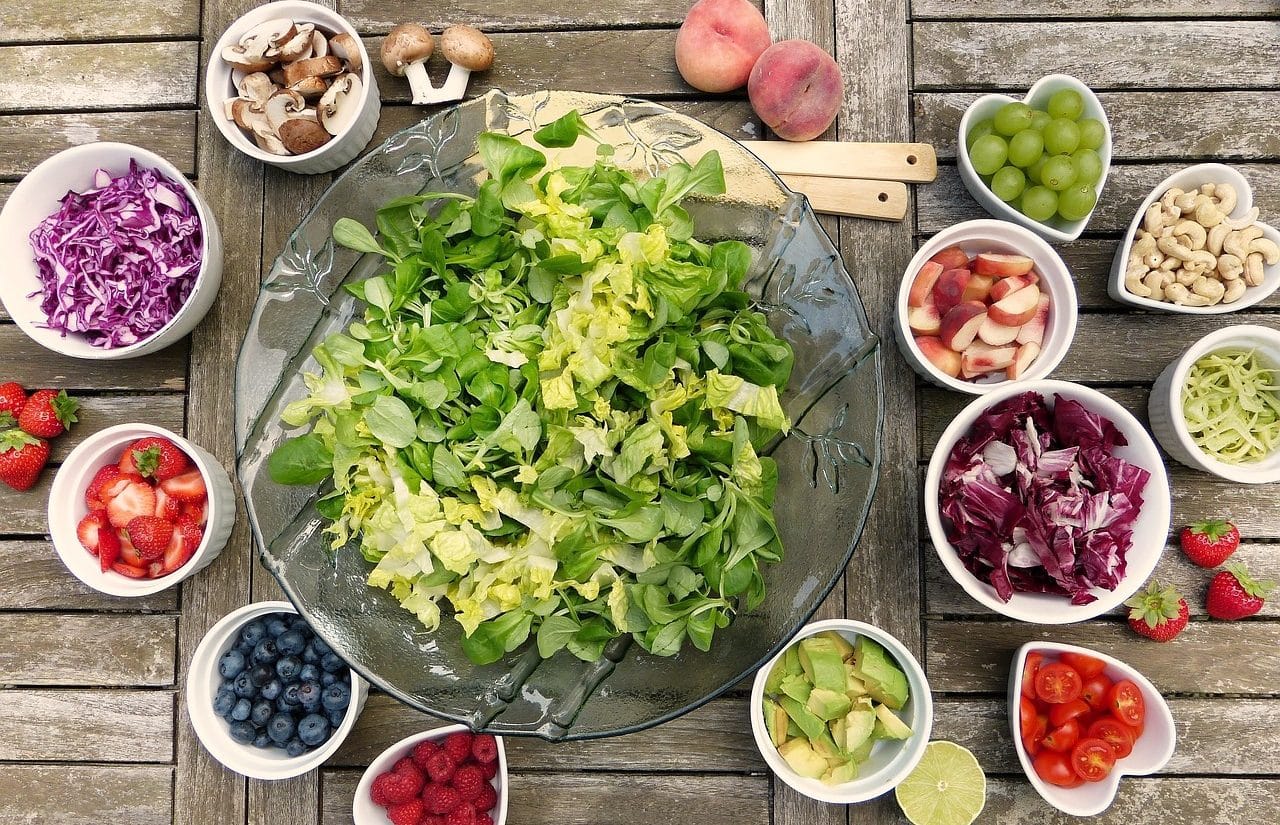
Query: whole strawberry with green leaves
column 1210, row 543
column 1234, row 594
column 48, row 413
column 1159, row 612
column 22, row 457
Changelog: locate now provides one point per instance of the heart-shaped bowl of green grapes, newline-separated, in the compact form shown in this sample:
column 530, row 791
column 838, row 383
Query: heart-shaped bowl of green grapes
column 1040, row 161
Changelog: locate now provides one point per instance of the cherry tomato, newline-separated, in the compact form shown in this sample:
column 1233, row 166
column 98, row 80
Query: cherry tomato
column 1026, row 715
column 1057, row 683
column 1064, row 737
column 1055, row 768
column 1065, row 712
column 1029, row 668
column 1095, row 691
column 1125, row 701
column 1115, row 733
column 1087, row 666
column 1033, row 737
column 1092, row 759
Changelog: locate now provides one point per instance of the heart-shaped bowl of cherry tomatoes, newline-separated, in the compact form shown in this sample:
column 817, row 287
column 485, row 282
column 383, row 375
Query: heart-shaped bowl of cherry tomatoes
column 1081, row 720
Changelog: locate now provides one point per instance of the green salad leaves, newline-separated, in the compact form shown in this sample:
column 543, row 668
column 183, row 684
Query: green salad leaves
column 548, row 419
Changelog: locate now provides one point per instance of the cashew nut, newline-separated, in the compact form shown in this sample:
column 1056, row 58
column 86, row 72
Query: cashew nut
column 1210, row 288
column 1171, row 247
column 1191, row 234
column 1169, row 197
column 1136, row 268
column 1155, row 282
column 1229, row 267
column 1235, row 289
column 1253, row 274
column 1216, row 236
column 1270, row 252
column 1237, row 242
column 1170, row 263
column 1244, row 220
column 1187, row 200
column 1135, row 285
column 1154, row 219
column 1177, row 293
column 1186, row 277
column 1194, row 300
column 1208, row 214
column 1206, row 189
column 1226, row 195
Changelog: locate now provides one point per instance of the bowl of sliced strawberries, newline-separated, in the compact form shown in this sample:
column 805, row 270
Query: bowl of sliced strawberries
column 984, row 303
column 136, row 509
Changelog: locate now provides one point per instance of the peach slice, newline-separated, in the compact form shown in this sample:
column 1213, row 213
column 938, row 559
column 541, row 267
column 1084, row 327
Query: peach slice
column 949, row 290
column 925, row 320
column 1016, row 309
column 978, row 288
column 923, row 283
column 961, row 323
column 1002, row 266
column 940, row 355
column 952, row 257
column 995, row 334
column 980, row 359
column 1010, row 285
column 1032, row 332
column 1025, row 355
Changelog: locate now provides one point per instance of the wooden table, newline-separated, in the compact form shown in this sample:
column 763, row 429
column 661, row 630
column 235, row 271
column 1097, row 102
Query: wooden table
column 93, row 724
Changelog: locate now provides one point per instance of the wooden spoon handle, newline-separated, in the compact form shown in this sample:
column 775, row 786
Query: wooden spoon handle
column 914, row 162
column 880, row 199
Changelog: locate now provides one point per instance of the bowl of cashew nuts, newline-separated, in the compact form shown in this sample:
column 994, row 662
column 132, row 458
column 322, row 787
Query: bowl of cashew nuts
column 1196, row 247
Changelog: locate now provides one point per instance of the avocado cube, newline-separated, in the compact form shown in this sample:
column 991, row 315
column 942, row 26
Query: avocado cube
column 775, row 721
column 845, row 772
column 803, row 759
column 791, row 662
column 894, row 727
column 797, row 687
column 828, row 704
column 825, row 663
column 858, row 725
column 884, row 680
column 793, row 730
column 825, row 747
column 810, row 725
column 863, row 752
column 774, row 681
column 853, row 686
column 842, row 644
column 805, row 666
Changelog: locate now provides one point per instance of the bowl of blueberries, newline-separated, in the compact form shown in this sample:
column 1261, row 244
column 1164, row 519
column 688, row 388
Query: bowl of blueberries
column 267, row 697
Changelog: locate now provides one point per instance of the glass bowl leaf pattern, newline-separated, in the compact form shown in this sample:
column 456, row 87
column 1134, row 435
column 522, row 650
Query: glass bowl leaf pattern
column 828, row 464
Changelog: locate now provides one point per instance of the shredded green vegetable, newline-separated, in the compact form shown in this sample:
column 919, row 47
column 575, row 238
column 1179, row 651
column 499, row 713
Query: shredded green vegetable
column 1231, row 404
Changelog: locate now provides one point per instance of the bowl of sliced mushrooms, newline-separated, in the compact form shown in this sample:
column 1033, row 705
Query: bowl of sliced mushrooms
column 1196, row 246
column 291, row 84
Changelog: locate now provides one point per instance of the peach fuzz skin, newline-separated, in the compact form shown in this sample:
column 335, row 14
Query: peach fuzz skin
column 796, row 89
column 719, row 42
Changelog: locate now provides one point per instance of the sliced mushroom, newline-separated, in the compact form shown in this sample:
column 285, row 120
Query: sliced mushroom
column 297, row 47
column 341, row 103
column 242, row 112
column 319, row 44
column 311, row 88
column 301, row 136
column 239, row 57
column 345, row 48
column 276, row 76
column 268, row 141
column 283, row 105
column 256, row 87
column 268, row 33
column 327, row 66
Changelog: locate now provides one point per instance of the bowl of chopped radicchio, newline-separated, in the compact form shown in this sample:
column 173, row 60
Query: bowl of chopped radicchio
column 1047, row 502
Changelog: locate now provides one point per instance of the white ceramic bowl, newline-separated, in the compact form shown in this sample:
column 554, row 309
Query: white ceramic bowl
column 1150, row 530
column 1055, row 280
column 214, row 732
column 365, row 812
column 1191, row 178
column 891, row 760
column 1056, row 230
column 38, row 195
column 67, row 507
column 1150, row 753
column 219, row 85
column 1164, row 406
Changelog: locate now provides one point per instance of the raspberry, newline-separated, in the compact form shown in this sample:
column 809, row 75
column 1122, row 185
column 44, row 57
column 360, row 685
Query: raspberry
column 422, row 751
column 407, row 766
column 431, row 819
column 441, row 799
column 440, row 766
column 468, row 779
column 487, row 799
column 484, row 748
column 484, row 819
column 458, row 745
column 406, row 813
column 393, row 788
column 489, row 769
column 463, row 815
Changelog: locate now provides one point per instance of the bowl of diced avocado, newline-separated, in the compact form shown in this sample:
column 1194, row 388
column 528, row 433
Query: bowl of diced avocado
column 843, row 713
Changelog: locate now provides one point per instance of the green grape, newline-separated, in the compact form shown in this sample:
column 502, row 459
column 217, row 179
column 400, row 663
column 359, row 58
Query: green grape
column 1075, row 202
column 1012, row 118
column 1061, row 137
column 1087, row 163
column 1034, row 170
column 1092, row 133
column 1066, row 103
column 1026, row 147
column 980, row 129
column 1058, row 173
column 988, row 154
column 1039, row 203
column 1008, row 183
column 1039, row 119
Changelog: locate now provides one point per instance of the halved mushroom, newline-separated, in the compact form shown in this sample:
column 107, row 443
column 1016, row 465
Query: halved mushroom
column 297, row 47
column 266, row 139
column 281, row 106
column 246, row 60
column 345, row 48
column 319, row 44
column 241, row 110
column 256, row 87
column 340, row 105
column 310, row 87
column 327, row 66
column 301, row 136
column 269, row 33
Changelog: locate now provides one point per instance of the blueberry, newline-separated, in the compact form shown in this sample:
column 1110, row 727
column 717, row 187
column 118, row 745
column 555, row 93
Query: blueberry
column 262, row 711
column 283, row 706
column 309, row 654
column 327, row 679
column 266, row 652
column 290, row 695
column 276, row 625
column 244, row 686
column 298, row 622
column 287, row 667
column 243, row 732
column 280, row 727
column 253, row 632
column 241, row 711
column 230, row 665
column 336, row 696
column 313, row 729
column 271, row 690
column 295, row 748
column 320, row 647
column 332, row 662
column 260, row 675
column 309, row 673
column 336, row 717
column 224, row 701
column 309, row 694
column 291, row 643
column 262, row 741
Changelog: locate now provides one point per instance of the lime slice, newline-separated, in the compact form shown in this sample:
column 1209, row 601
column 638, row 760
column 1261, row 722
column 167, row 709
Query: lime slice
column 948, row 787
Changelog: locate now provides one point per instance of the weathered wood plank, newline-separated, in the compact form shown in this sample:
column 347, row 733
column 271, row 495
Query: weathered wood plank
column 71, row 649
column 39, row 21
column 31, row 365
column 98, row 76
column 295, row 801
column 586, row 798
column 1071, row 9
column 26, row 140
column 970, row 656
column 1118, row 54
column 1141, row 799
column 1144, row 125
column 87, row 725
column 5, row 189
column 32, row 577
column 380, row 15
column 86, row 794
column 26, row 512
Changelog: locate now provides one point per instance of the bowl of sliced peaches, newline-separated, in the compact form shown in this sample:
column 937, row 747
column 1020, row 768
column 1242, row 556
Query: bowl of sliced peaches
column 984, row 303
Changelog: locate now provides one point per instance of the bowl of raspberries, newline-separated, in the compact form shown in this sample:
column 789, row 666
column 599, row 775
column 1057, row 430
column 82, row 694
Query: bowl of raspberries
column 445, row 776
column 268, row 697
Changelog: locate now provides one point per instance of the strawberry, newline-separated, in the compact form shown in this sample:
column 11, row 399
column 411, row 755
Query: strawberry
column 93, row 493
column 167, row 508
column 462, row 815
column 109, row 545
column 441, row 799
column 90, row 529
column 406, row 813
column 135, row 499
column 12, row 399
column 468, row 780
column 1210, row 543
column 129, row 570
column 458, row 745
column 1158, row 613
column 150, row 535
column 188, row 486
column 1234, row 594
column 129, row 554
column 117, row 485
column 440, row 766
column 393, row 788
column 484, row 748
column 182, row 546
column 48, row 413
column 422, row 751
column 22, row 457
column 197, row 512
column 487, row 800
column 153, row 457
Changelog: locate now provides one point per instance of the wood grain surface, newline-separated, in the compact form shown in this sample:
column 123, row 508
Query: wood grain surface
column 98, row 76
column 85, row 725
column 32, row 577
column 67, row 649
column 48, row 21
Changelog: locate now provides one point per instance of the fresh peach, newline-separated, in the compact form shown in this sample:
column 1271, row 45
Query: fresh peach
column 719, row 42
column 952, row 257
column 960, row 324
column 1002, row 266
column 923, row 283
column 796, row 89
column 1010, row 285
column 1026, row 354
column 996, row 334
column 924, row 320
column 949, row 289
column 1016, row 309
column 979, row 359
column 940, row 355
column 1032, row 332
column 978, row 288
